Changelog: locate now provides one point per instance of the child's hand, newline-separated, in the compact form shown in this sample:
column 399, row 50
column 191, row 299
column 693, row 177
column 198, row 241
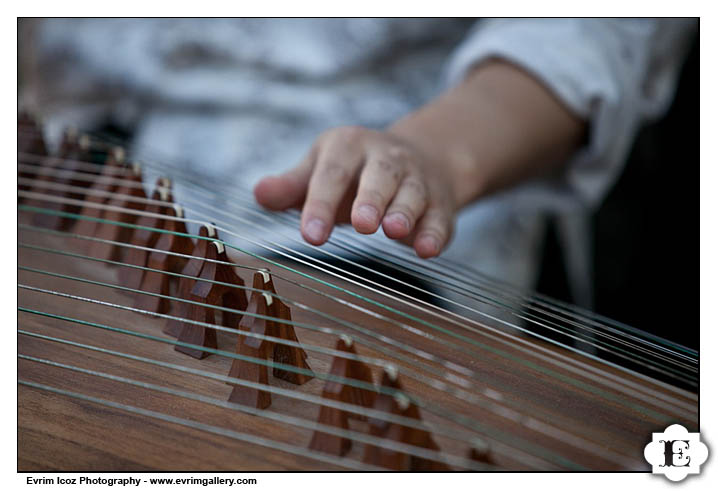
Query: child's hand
column 496, row 129
column 370, row 178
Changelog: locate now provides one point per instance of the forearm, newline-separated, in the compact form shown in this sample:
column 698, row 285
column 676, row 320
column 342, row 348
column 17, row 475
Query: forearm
column 496, row 129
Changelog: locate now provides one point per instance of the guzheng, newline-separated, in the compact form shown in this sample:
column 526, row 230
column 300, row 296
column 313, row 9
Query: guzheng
column 160, row 330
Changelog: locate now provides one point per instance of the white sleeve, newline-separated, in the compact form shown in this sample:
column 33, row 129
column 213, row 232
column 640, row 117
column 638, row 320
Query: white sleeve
column 614, row 73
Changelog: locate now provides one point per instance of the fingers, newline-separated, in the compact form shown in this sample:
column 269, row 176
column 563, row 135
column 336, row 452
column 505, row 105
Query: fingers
column 377, row 186
column 433, row 232
column 332, row 175
column 286, row 190
column 406, row 208
column 393, row 190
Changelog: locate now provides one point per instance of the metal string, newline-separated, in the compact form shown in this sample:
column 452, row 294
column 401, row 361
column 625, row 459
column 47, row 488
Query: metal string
column 634, row 388
column 448, row 264
column 481, row 298
column 519, row 360
column 435, row 280
column 459, row 436
column 441, row 386
column 633, row 357
column 456, row 418
column 293, row 394
column 525, row 301
column 156, row 159
column 303, row 423
column 280, row 265
column 669, row 372
column 458, row 380
column 491, row 406
column 339, row 257
column 244, row 437
column 449, row 377
column 503, row 412
column 144, row 200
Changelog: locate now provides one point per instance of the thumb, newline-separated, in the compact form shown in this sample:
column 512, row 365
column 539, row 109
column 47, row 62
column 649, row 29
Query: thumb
column 286, row 190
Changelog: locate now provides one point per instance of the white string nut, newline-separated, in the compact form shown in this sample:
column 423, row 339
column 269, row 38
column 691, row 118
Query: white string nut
column 164, row 194
column 210, row 229
column 265, row 275
column 480, row 446
column 178, row 210
column 392, row 371
column 119, row 154
column 347, row 340
column 268, row 298
column 136, row 168
column 402, row 400
column 219, row 246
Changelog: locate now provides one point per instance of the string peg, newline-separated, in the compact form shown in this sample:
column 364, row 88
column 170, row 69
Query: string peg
column 106, row 183
column 395, row 401
column 234, row 298
column 70, row 159
column 282, row 353
column 480, row 451
column 253, row 347
column 30, row 140
column 349, row 394
column 143, row 237
column 124, row 206
column 158, row 281
column 212, row 294
column 192, row 268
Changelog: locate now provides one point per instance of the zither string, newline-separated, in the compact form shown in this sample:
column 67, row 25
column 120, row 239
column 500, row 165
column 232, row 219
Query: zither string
column 165, row 204
column 244, row 437
column 155, row 158
column 96, row 166
column 277, row 417
column 459, row 436
column 452, row 378
column 122, row 224
column 460, row 419
column 530, row 422
column 339, row 257
column 65, row 200
column 491, row 406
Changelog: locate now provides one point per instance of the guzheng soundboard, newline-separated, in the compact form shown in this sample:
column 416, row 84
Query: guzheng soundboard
column 195, row 333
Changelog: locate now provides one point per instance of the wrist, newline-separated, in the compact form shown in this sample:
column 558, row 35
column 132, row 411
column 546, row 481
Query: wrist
column 449, row 161
column 497, row 128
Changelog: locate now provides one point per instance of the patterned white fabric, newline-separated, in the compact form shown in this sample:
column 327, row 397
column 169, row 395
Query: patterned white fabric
column 240, row 99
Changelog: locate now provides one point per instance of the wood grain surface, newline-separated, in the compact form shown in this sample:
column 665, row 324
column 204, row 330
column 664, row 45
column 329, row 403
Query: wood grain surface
column 537, row 406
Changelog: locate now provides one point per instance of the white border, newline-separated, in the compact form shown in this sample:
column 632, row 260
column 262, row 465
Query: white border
column 346, row 482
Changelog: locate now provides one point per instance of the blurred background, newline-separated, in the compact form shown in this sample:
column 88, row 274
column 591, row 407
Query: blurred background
column 237, row 99
column 646, row 231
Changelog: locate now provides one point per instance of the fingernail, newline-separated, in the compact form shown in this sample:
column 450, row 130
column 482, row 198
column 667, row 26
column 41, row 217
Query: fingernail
column 368, row 212
column 399, row 218
column 315, row 230
column 430, row 243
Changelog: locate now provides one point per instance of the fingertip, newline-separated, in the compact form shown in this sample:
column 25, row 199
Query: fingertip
column 426, row 246
column 315, row 231
column 263, row 191
column 275, row 193
column 396, row 226
column 365, row 219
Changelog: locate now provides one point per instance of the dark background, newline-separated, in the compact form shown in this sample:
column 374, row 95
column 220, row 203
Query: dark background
column 646, row 257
